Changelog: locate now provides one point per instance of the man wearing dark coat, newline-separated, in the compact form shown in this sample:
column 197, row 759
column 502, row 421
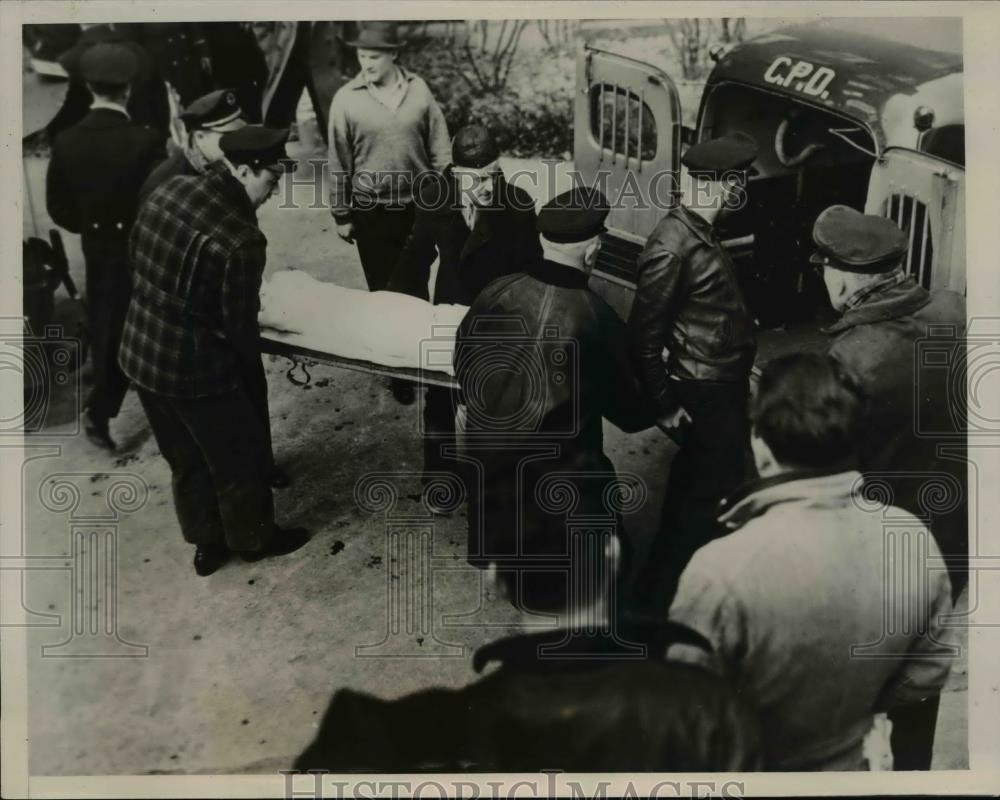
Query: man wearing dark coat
column 147, row 103
column 577, row 699
column 542, row 361
column 92, row 189
column 905, row 345
column 479, row 227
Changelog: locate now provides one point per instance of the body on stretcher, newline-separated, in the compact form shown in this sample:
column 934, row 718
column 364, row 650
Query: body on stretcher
column 381, row 333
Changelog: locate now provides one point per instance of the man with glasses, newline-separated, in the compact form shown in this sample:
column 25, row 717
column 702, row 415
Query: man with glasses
column 479, row 227
column 192, row 339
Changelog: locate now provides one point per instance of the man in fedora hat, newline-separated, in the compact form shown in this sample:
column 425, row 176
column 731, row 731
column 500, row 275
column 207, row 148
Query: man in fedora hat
column 192, row 340
column 205, row 121
column 92, row 188
column 385, row 129
column 479, row 227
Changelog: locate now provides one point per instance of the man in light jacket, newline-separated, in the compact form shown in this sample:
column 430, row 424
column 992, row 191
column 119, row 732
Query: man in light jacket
column 823, row 607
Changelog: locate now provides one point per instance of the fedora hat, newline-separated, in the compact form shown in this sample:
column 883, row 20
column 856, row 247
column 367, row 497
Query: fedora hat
column 378, row 36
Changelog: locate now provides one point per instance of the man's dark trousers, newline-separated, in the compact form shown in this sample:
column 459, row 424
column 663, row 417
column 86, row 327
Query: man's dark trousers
column 108, row 292
column 713, row 461
column 440, row 404
column 381, row 232
column 216, row 449
column 255, row 379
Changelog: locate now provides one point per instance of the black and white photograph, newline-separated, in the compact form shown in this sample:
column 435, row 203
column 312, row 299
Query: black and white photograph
column 596, row 403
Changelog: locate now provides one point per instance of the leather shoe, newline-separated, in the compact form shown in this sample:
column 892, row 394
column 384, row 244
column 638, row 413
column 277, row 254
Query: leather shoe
column 283, row 542
column 208, row 558
column 279, row 478
column 97, row 433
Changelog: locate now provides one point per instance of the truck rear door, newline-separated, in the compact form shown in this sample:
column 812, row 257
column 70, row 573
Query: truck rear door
column 627, row 125
column 925, row 196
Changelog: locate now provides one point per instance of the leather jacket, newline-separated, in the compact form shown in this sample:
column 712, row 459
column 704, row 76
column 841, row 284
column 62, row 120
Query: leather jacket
column 557, row 700
column 688, row 301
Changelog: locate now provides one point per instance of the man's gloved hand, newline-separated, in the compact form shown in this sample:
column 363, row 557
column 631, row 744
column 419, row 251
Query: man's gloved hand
column 345, row 230
column 675, row 423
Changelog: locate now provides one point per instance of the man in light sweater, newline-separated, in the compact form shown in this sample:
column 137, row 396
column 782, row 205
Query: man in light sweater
column 385, row 129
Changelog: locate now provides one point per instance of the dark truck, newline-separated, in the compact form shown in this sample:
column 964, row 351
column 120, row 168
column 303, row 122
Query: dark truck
column 843, row 111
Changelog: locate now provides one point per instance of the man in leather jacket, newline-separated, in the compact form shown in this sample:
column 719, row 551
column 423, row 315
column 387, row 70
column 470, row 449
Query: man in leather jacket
column 689, row 303
column 541, row 361
column 585, row 696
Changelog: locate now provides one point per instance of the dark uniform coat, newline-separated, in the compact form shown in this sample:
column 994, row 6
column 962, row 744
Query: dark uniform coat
column 596, row 712
column 541, row 361
column 92, row 188
column 915, row 437
column 503, row 240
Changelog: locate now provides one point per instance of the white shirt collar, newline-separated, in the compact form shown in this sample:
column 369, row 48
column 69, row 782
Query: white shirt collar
column 99, row 103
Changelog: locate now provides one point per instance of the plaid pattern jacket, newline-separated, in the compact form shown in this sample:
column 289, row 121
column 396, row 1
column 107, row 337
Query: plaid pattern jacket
column 198, row 259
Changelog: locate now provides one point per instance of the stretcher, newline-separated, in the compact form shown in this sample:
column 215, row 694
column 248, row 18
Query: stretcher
column 280, row 343
column 387, row 334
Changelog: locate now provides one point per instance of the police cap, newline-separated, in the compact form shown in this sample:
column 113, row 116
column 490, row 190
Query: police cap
column 216, row 111
column 713, row 158
column 258, row 147
column 854, row 242
column 109, row 63
column 574, row 216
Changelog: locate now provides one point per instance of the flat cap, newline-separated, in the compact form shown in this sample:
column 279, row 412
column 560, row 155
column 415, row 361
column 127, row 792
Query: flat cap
column 851, row 241
column 215, row 111
column 474, row 147
column 111, row 63
column 574, row 216
column 713, row 158
column 258, row 147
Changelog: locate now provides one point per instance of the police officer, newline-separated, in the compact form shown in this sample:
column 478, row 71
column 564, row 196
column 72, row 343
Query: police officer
column 541, row 360
column 205, row 121
column 192, row 346
column 886, row 318
column 688, row 302
column 92, row 188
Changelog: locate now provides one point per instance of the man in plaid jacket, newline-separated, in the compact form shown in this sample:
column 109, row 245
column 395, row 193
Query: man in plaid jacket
column 191, row 345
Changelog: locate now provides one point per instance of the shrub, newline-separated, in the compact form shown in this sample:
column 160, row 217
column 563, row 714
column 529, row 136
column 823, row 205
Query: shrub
column 531, row 115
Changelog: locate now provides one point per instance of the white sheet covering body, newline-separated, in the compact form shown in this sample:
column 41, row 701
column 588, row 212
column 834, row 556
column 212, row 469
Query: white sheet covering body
column 386, row 328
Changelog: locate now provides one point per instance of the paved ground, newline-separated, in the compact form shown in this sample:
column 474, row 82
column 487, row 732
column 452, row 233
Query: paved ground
column 240, row 665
